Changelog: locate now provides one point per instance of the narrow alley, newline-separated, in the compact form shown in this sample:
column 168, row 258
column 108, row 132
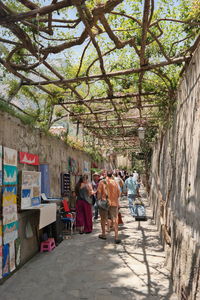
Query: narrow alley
column 85, row 267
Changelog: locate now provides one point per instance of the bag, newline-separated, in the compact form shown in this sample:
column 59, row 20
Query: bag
column 103, row 204
column 140, row 211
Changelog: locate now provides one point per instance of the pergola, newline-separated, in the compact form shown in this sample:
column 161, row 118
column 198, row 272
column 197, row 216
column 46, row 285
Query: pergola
column 110, row 100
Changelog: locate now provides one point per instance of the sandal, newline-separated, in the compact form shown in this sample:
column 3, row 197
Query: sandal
column 103, row 237
column 118, row 241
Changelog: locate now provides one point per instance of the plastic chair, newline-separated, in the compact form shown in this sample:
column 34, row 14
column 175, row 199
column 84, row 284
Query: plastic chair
column 68, row 216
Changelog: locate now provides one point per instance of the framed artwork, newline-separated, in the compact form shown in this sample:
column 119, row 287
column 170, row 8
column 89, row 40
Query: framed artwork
column 31, row 189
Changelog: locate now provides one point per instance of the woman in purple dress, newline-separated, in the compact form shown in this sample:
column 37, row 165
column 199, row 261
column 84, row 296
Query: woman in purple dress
column 84, row 192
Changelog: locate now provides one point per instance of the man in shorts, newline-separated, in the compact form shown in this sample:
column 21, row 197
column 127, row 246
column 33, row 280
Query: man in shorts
column 109, row 189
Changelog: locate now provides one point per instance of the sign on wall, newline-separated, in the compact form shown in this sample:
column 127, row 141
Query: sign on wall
column 28, row 158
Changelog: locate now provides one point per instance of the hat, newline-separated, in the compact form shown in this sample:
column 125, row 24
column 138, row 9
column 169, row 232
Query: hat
column 95, row 174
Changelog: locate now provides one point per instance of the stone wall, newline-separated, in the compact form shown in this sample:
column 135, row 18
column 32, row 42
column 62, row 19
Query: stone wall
column 175, row 186
column 51, row 150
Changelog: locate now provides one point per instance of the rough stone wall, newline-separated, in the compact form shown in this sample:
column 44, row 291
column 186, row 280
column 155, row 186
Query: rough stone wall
column 51, row 150
column 175, row 186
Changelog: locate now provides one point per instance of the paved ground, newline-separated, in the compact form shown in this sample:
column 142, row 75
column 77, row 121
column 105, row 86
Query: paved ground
column 86, row 267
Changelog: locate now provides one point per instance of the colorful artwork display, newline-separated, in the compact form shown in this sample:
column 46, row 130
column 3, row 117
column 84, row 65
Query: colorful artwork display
column 26, row 198
column 10, row 157
column 10, row 175
column 72, row 165
column 1, row 152
column 28, row 158
column 85, row 167
column 31, row 189
column 10, row 232
column 0, row 234
column 1, row 248
column 10, row 218
column 5, row 260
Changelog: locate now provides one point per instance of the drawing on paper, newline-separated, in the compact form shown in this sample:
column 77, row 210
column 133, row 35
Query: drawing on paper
column 35, row 201
column 10, row 175
column 10, row 232
column 31, row 178
column 9, row 195
column 26, row 198
column 5, row 260
column 31, row 189
column 10, row 157
column 1, row 261
column 1, row 165
column 0, row 234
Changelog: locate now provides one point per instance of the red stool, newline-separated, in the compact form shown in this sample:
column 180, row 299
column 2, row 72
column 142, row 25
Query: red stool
column 47, row 245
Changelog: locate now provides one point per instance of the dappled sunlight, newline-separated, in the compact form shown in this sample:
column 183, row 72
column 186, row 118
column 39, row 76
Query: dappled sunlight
column 90, row 266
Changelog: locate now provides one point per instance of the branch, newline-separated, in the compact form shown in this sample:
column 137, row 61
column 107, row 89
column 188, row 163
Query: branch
column 128, row 95
column 41, row 11
column 177, row 60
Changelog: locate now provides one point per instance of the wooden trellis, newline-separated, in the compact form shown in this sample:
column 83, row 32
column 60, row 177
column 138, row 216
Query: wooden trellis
column 113, row 114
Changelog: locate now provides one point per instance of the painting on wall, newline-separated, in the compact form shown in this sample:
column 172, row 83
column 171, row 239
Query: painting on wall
column 1, row 261
column 10, row 157
column 5, row 260
column 31, row 178
column 10, row 232
column 28, row 158
column 85, row 167
column 1, row 152
column 31, row 189
column 0, row 233
column 9, row 195
column 9, row 205
column 72, row 182
column 25, row 198
column 10, row 175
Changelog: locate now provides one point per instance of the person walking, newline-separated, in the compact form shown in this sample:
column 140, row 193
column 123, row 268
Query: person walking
column 84, row 192
column 108, row 189
column 131, row 189
column 95, row 183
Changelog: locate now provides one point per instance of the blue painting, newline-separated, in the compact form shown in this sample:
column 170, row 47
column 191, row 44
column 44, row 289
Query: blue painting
column 10, row 175
column 35, row 201
column 10, row 232
column 5, row 264
column 25, row 198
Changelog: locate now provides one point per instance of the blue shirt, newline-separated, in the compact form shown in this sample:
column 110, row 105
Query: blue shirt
column 130, row 186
